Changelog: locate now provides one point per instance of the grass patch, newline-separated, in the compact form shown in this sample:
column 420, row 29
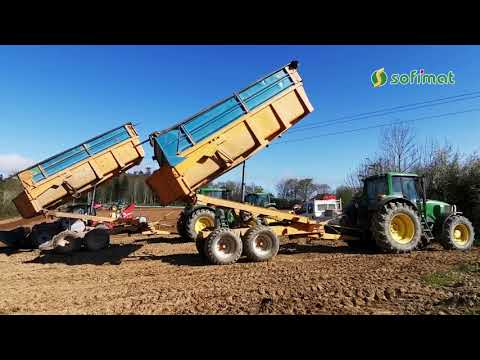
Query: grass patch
column 440, row 279
column 473, row 311
column 451, row 278
column 469, row 268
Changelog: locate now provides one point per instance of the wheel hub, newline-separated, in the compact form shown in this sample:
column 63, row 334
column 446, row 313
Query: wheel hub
column 225, row 247
column 203, row 223
column 402, row 228
column 263, row 243
column 461, row 234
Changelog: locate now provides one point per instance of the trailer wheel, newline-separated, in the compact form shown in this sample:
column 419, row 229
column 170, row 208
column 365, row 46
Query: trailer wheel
column 396, row 228
column 458, row 233
column 197, row 221
column 181, row 225
column 97, row 239
column 223, row 247
column 38, row 236
column 66, row 242
column 260, row 243
column 200, row 245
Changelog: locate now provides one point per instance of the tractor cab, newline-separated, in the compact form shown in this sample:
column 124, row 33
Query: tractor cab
column 219, row 193
column 260, row 199
column 378, row 188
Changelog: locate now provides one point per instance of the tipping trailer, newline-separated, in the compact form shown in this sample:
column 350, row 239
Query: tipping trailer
column 67, row 175
column 205, row 146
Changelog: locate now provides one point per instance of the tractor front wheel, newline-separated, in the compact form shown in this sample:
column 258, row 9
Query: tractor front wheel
column 396, row 228
column 197, row 221
column 458, row 233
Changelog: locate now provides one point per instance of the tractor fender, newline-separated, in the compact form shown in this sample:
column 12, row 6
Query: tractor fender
column 387, row 200
column 453, row 213
column 188, row 210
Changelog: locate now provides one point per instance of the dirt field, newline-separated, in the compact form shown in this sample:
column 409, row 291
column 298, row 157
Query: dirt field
column 163, row 275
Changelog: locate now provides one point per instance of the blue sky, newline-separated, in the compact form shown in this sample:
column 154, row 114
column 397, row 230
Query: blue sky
column 54, row 97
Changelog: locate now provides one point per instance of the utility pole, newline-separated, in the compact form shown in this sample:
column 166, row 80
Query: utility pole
column 243, row 182
column 92, row 202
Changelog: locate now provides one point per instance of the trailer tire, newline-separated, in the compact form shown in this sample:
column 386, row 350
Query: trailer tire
column 97, row 239
column 458, row 233
column 67, row 242
column 181, row 225
column 198, row 220
column 396, row 228
column 200, row 245
column 260, row 243
column 223, row 247
column 44, row 232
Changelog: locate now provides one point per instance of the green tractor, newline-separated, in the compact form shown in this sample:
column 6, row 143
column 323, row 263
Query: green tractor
column 260, row 199
column 194, row 219
column 393, row 211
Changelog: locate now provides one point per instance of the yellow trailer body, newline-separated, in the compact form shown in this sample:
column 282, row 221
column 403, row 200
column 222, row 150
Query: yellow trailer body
column 77, row 170
column 212, row 142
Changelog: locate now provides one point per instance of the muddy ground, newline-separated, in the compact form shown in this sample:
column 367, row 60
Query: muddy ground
column 163, row 275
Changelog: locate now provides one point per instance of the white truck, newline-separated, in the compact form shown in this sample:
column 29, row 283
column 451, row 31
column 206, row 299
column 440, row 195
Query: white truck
column 321, row 209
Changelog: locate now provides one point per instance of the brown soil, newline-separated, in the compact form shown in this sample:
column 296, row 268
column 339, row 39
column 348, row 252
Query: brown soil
column 164, row 275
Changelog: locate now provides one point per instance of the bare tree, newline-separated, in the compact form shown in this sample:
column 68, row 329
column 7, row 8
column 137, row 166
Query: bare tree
column 398, row 152
column 323, row 189
column 399, row 149
column 282, row 188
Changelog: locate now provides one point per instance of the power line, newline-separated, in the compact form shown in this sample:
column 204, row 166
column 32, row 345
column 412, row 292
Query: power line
column 379, row 125
column 388, row 111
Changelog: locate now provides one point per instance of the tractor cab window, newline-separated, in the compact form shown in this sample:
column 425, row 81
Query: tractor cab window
column 397, row 185
column 408, row 186
column 376, row 187
column 410, row 189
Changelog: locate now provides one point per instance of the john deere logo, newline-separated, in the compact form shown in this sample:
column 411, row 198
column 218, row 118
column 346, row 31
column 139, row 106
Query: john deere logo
column 379, row 77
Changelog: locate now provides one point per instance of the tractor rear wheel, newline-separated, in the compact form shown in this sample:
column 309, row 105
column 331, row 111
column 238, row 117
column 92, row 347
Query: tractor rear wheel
column 396, row 228
column 458, row 233
column 197, row 221
column 223, row 247
column 260, row 243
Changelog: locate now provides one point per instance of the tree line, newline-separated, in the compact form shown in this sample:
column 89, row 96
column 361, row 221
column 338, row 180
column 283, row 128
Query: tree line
column 300, row 189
